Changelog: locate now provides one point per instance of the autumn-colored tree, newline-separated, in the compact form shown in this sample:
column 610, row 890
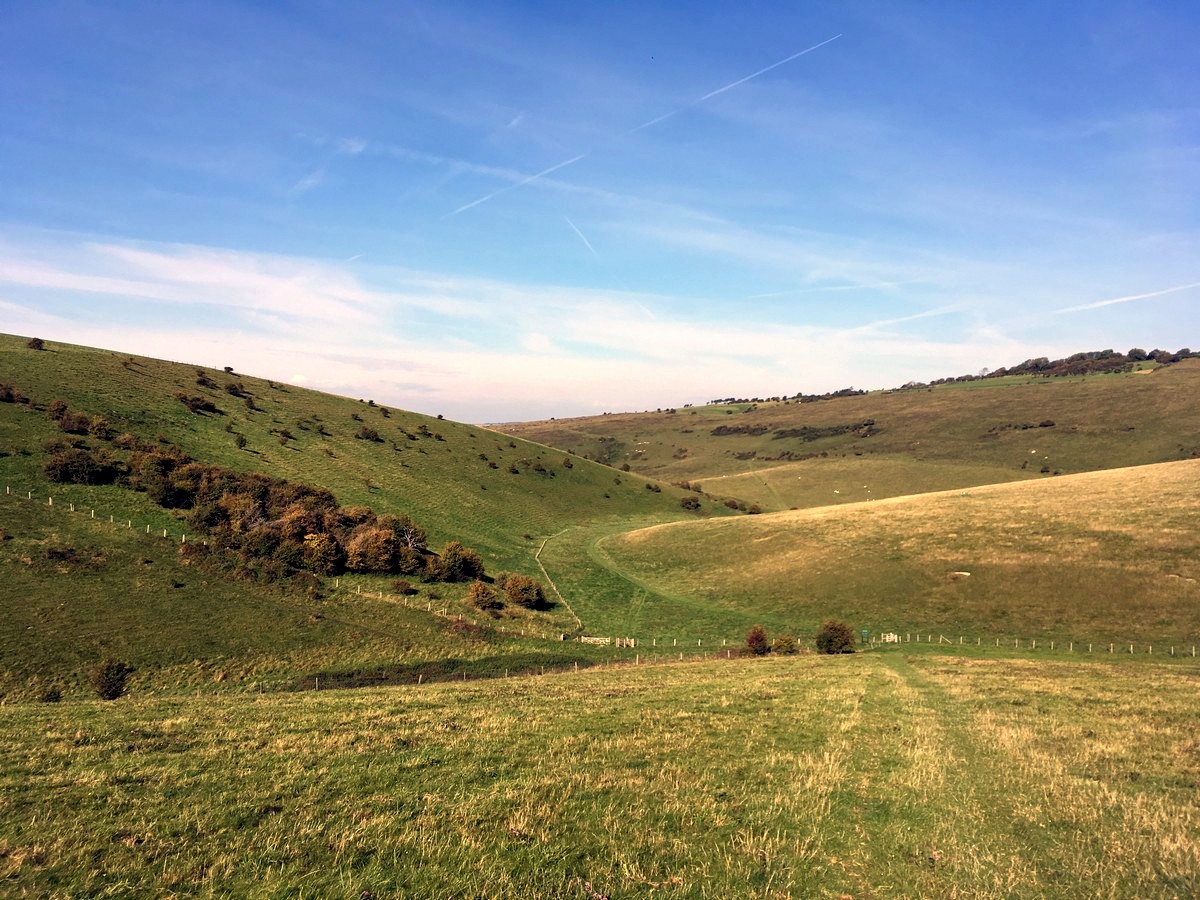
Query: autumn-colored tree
column 323, row 554
column 483, row 597
column 757, row 642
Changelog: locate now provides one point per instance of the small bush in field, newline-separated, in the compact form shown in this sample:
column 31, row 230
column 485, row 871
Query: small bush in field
column 690, row 502
column 50, row 695
column 785, row 644
column 525, row 591
column 756, row 641
column 36, row 343
column 108, row 678
column 483, row 597
column 404, row 588
column 368, row 434
column 835, row 637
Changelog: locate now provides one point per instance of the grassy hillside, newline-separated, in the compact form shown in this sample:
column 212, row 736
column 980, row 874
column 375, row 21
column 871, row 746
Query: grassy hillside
column 784, row 455
column 1104, row 556
column 880, row 774
column 434, row 470
column 77, row 589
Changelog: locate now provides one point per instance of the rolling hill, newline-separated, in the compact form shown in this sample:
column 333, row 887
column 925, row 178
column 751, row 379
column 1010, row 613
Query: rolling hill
column 782, row 455
column 1101, row 556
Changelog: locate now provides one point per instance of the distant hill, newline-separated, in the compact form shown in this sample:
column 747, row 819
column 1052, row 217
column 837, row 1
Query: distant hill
column 788, row 453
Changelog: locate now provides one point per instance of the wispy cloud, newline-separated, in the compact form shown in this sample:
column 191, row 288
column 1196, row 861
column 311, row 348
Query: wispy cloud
column 307, row 183
column 655, row 121
column 1128, row 299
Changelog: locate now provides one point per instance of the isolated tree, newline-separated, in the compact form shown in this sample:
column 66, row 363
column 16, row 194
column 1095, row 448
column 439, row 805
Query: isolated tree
column 757, row 642
column 835, row 637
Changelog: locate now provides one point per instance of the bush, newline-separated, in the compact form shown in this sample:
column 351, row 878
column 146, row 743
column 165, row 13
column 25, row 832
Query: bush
column 108, row 678
column 525, row 591
column 690, row 502
column 835, row 637
column 785, row 644
column 404, row 588
column 756, row 641
column 74, row 466
column 368, row 434
column 483, row 597
column 35, row 343
column 50, row 695
column 459, row 563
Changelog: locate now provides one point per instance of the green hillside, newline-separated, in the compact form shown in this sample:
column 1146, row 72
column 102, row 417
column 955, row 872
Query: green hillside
column 434, row 470
column 890, row 443
column 77, row 588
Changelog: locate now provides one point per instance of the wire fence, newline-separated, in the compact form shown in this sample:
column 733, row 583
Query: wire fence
column 663, row 648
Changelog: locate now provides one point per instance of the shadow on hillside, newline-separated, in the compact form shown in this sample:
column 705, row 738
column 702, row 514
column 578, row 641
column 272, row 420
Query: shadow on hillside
column 449, row 669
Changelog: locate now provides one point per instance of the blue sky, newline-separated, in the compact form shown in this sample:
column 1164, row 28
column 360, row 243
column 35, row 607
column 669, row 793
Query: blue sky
column 507, row 211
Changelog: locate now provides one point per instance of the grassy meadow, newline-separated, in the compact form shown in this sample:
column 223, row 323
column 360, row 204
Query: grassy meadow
column 240, row 762
column 875, row 775
column 1101, row 556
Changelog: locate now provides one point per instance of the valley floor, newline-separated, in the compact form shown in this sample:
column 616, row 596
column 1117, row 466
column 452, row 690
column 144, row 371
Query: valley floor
column 880, row 774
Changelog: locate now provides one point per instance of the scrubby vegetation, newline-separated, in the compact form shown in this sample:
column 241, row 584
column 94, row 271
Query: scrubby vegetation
column 835, row 637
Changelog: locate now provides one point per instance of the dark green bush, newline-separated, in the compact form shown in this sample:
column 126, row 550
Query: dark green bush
column 108, row 678
column 835, row 637
column 75, row 466
column 525, row 591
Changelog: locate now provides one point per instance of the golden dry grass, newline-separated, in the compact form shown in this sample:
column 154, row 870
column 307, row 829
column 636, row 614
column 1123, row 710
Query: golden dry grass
column 1106, row 555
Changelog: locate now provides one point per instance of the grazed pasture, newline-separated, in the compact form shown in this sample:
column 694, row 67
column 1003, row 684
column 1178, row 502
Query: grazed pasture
column 878, row 774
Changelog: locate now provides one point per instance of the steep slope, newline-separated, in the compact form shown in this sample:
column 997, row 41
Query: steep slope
column 76, row 588
column 461, row 482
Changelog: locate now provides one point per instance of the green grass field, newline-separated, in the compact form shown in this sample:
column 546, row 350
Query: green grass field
column 879, row 774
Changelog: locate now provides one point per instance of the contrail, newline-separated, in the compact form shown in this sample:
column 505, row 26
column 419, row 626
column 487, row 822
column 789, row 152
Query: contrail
column 619, row 279
column 730, row 86
column 656, row 120
column 1131, row 297
column 734, row 84
column 586, row 242
column 511, row 187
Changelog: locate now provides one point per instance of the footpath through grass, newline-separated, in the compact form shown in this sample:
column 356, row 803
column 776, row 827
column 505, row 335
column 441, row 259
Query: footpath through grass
column 879, row 774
